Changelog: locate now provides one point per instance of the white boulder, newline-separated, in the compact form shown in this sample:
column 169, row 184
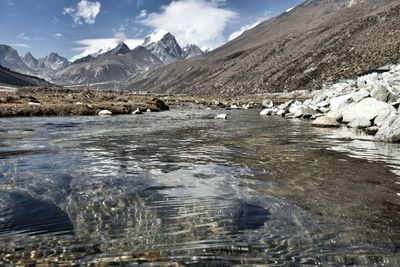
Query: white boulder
column 325, row 121
column 221, row 116
column 267, row 103
column 390, row 129
column 105, row 113
column 266, row 112
column 137, row 112
column 368, row 108
column 360, row 123
column 339, row 102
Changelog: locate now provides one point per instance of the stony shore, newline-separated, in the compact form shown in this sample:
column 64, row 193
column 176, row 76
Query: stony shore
column 370, row 104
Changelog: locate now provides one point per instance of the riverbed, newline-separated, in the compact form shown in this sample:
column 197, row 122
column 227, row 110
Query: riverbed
column 177, row 188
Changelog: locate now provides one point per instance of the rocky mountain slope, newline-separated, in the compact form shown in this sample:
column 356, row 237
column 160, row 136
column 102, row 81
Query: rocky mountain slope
column 9, row 77
column 52, row 62
column 320, row 40
column 191, row 51
column 30, row 61
column 113, row 66
column 9, row 58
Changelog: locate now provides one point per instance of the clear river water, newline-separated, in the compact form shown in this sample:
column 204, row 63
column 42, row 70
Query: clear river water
column 176, row 188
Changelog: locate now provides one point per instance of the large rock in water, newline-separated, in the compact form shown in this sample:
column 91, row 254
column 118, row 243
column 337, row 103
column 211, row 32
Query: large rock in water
column 325, row 122
column 360, row 123
column 390, row 130
column 368, row 108
column 157, row 105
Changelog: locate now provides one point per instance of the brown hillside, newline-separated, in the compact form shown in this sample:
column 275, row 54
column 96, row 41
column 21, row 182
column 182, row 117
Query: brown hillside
column 317, row 41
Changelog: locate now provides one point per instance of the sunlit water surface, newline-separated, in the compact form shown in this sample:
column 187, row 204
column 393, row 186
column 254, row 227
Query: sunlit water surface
column 177, row 188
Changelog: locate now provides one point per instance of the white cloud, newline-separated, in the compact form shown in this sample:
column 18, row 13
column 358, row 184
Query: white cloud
column 58, row 36
column 22, row 36
column 85, row 11
column 245, row 28
column 92, row 46
column 201, row 22
column 142, row 14
column 21, row 45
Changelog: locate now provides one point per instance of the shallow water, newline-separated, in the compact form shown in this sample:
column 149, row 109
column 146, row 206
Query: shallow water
column 174, row 187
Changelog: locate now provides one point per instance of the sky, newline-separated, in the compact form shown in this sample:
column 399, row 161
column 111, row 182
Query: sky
column 76, row 28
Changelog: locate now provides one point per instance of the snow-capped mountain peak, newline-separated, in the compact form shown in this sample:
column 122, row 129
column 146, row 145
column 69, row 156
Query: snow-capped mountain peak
column 120, row 49
column 154, row 37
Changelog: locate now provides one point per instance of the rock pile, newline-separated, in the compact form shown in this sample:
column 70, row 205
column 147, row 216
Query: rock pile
column 371, row 104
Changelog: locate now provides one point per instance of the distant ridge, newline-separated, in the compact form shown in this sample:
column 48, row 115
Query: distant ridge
column 12, row 78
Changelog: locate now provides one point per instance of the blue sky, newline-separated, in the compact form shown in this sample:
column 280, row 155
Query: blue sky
column 74, row 28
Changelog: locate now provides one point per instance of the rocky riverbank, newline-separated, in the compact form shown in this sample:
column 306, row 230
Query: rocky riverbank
column 371, row 104
column 64, row 102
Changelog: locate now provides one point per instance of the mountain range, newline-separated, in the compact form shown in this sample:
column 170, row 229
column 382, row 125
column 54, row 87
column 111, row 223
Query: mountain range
column 106, row 67
column 319, row 40
column 9, row 77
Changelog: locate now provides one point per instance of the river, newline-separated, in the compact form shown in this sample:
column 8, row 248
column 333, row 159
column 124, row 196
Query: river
column 177, row 188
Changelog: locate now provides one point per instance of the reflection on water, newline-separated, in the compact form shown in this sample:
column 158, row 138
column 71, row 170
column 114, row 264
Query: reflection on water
column 174, row 187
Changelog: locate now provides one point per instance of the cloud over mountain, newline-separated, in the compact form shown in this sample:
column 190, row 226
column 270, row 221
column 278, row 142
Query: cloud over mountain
column 85, row 11
column 192, row 21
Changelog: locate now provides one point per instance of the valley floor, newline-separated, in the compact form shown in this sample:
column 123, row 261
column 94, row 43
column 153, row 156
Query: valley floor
column 66, row 102
column 22, row 102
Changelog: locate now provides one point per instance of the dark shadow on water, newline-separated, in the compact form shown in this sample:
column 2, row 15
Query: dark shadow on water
column 33, row 216
column 249, row 217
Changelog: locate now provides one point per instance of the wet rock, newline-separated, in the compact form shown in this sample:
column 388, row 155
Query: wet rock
column 368, row 108
column 267, row 103
column 285, row 106
column 325, row 122
column 137, row 112
column 221, row 116
column 360, row 123
column 266, row 112
column 157, row 105
column 390, row 130
column 105, row 113
column 337, row 115
column 304, row 112
column 281, row 113
column 371, row 130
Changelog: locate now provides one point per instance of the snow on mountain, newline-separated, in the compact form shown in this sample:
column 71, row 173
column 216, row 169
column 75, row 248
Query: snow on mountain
column 154, row 37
